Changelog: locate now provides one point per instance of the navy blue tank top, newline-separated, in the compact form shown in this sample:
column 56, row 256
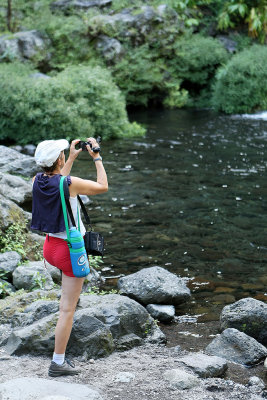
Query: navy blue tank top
column 47, row 214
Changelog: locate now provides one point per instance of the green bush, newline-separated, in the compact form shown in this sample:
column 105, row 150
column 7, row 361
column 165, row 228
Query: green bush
column 240, row 85
column 79, row 101
column 196, row 59
column 143, row 78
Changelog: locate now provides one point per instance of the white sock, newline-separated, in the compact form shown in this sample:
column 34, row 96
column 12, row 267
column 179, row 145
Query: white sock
column 59, row 358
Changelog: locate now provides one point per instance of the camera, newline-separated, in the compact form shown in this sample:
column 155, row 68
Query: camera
column 82, row 145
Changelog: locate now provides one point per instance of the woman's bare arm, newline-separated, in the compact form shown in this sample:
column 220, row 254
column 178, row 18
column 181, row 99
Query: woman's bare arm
column 88, row 187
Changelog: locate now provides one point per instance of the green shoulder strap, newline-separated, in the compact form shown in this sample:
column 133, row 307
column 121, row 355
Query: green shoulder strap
column 63, row 202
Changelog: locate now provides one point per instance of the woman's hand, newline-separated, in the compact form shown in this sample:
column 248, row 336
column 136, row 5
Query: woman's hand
column 94, row 144
column 73, row 152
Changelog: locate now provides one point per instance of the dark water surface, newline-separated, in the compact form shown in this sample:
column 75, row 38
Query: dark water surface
column 189, row 197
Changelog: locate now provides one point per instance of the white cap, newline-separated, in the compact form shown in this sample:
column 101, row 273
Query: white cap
column 48, row 151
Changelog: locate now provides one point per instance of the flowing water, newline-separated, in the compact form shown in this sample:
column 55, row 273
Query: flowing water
column 189, row 197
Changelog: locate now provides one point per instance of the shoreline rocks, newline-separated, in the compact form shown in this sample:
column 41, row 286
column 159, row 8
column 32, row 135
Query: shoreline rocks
column 238, row 347
column 154, row 285
column 247, row 315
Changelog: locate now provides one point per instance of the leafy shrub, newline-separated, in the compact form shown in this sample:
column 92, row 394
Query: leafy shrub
column 253, row 13
column 79, row 101
column 240, row 85
column 142, row 77
column 196, row 59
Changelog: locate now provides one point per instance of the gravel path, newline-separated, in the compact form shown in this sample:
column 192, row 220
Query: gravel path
column 145, row 366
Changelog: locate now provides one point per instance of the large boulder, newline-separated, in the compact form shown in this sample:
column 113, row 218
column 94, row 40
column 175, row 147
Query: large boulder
column 154, row 285
column 37, row 338
column 122, row 316
column 205, row 366
column 10, row 213
column 247, row 315
column 236, row 346
column 24, row 46
column 32, row 275
column 101, row 324
column 10, row 306
column 34, row 312
column 9, row 262
column 134, row 23
column 46, row 389
column 80, row 5
column 15, row 188
column 16, row 163
column 90, row 337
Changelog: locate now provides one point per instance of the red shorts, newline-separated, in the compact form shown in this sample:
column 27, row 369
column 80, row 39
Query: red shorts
column 56, row 252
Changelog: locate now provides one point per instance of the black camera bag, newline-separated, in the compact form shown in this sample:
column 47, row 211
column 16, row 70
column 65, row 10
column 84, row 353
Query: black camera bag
column 93, row 241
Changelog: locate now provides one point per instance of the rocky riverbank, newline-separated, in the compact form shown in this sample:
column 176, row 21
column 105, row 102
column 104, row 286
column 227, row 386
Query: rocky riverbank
column 129, row 344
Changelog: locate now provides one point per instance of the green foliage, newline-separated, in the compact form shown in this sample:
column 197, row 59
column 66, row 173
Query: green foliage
column 196, row 59
column 80, row 101
column 14, row 239
column 95, row 262
column 4, row 289
column 143, row 78
column 138, row 76
column 240, row 84
column 253, row 13
column 96, row 290
column 39, row 281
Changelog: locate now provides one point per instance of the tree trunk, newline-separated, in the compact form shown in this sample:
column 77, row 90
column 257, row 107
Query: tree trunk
column 9, row 15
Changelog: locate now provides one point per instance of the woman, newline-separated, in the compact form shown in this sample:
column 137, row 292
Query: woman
column 47, row 216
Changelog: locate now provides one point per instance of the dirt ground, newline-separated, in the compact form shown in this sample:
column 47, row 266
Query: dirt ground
column 146, row 365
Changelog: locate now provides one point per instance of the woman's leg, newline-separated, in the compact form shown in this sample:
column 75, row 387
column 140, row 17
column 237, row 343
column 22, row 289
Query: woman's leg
column 71, row 289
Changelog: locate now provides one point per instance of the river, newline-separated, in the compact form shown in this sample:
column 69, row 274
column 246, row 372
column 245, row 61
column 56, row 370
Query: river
column 191, row 198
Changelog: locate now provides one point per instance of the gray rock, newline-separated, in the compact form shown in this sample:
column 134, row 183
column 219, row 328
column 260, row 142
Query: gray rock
column 35, row 75
column 13, row 304
column 162, row 313
column 110, row 48
column 89, row 336
column 16, row 163
column 5, row 332
column 34, row 312
column 9, row 262
column 166, row 12
column 10, row 213
column 37, row 338
column 120, row 314
column 205, row 366
column 229, row 44
column 238, row 347
column 29, row 149
column 127, row 342
column 121, row 24
column 32, row 275
column 54, row 272
column 85, row 199
column 17, row 148
column 124, row 377
column 81, row 5
column 154, row 285
column 180, row 379
column 15, row 188
column 36, row 388
column 93, row 279
column 247, row 315
column 256, row 381
column 24, row 46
